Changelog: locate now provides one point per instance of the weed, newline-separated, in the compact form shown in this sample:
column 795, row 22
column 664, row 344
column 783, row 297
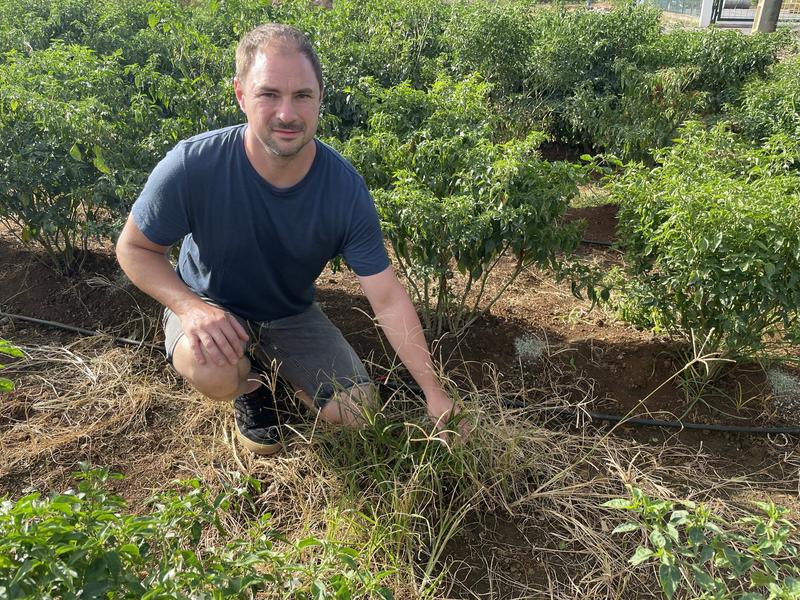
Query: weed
column 713, row 559
column 9, row 350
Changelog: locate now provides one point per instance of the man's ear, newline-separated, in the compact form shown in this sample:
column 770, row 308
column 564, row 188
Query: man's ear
column 239, row 92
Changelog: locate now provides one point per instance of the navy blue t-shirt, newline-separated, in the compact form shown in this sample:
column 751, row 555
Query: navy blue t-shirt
column 251, row 247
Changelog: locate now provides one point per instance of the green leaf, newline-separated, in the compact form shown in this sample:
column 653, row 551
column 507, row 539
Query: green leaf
column 130, row 549
column 760, row 579
column 658, row 539
column 703, row 579
column 318, row 590
column 793, row 585
column 706, row 554
column 641, row 555
column 305, row 543
column 622, row 503
column 669, row 576
column 75, row 153
column 99, row 162
column 625, row 527
column 9, row 350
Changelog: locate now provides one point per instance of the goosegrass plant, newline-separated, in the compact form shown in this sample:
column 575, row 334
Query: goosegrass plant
column 701, row 555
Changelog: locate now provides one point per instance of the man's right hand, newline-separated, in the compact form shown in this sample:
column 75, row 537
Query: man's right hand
column 213, row 334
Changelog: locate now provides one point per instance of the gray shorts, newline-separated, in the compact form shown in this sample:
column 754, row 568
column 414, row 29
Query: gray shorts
column 307, row 350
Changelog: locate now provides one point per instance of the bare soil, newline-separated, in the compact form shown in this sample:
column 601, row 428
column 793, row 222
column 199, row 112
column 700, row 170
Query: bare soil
column 605, row 365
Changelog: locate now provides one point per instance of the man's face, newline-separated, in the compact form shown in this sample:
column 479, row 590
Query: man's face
column 281, row 97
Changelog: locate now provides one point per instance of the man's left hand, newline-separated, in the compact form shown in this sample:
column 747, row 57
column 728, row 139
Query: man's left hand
column 441, row 409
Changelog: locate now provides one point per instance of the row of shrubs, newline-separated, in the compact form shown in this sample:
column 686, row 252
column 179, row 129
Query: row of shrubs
column 443, row 107
column 95, row 93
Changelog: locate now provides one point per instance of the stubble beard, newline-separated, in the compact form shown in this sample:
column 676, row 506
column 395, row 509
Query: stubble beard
column 275, row 148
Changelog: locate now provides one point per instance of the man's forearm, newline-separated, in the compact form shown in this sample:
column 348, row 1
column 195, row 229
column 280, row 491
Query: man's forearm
column 151, row 272
column 403, row 329
column 400, row 324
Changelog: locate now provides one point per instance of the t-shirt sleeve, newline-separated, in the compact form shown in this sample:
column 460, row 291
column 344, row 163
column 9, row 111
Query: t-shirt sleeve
column 363, row 248
column 160, row 211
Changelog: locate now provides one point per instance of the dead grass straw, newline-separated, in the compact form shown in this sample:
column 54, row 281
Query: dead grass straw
column 399, row 495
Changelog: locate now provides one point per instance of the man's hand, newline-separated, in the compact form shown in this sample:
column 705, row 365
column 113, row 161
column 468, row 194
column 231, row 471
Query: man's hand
column 213, row 334
column 441, row 408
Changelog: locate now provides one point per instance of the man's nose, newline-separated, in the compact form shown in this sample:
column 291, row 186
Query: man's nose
column 286, row 110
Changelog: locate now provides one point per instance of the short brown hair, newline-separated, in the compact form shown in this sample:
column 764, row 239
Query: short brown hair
column 263, row 35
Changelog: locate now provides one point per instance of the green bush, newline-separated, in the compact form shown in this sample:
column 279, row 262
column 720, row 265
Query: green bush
column 453, row 200
column 711, row 245
column 772, row 105
column 724, row 59
column 62, row 149
column 753, row 558
column 493, row 39
column 80, row 129
column 643, row 114
column 577, row 48
column 81, row 544
column 388, row 41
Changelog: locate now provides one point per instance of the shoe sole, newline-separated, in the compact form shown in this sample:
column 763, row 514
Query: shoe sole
column 255, row 447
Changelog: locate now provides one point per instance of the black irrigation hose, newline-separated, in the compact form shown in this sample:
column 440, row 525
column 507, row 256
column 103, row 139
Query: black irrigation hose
column 81, row 330
column 564, row 412
column 597, row 243
column 415, row 388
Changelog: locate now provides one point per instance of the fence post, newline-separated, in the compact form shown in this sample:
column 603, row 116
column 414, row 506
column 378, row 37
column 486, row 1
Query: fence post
column 705, row 13
column 766, row 19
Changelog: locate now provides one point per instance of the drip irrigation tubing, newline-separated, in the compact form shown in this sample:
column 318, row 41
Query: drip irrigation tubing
column 567, row 413
column 564, row 412
column 597, row 243
column 81, row 330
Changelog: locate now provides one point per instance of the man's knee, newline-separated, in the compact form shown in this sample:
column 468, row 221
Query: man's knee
column 211, row 380
column 348, row 407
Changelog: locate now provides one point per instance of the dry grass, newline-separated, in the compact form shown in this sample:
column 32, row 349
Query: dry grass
column 390, row 490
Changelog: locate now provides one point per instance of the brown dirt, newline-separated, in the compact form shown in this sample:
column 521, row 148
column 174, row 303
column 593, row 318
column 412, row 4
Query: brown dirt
column 608, row 366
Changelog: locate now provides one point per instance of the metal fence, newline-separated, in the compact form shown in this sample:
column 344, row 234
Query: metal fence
column 681, row 7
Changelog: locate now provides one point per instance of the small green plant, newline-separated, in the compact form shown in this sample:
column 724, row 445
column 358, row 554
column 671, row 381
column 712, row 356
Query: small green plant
column 81, row 544
column 6, row 385
column 754, row 558
column 56, row 141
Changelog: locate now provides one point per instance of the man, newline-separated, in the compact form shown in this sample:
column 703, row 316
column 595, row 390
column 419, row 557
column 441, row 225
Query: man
column 261, row 209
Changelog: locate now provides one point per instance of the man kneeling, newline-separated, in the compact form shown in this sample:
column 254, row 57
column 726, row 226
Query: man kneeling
column 261, row 208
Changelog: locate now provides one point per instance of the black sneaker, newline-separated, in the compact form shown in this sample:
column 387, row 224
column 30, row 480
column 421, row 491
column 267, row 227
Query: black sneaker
column 257, row 423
